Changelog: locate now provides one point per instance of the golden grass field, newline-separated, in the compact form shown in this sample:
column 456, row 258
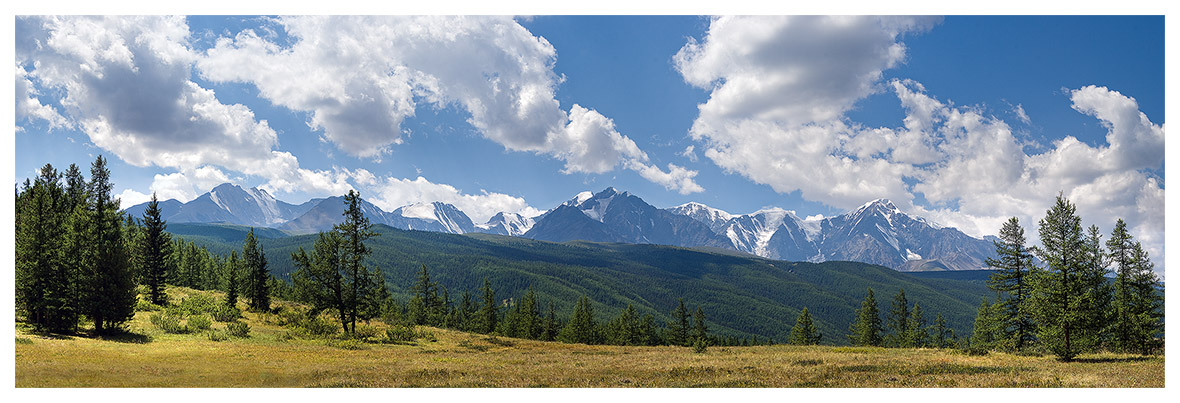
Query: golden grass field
column 458, row 359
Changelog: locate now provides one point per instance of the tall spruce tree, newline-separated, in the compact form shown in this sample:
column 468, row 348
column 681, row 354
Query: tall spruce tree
column 550, row 327
column 898, row 321
column 154, row 247
column 1060, row 298
column 528, row 323
column 366, row 288
column 582, row 328
column 866, row 328
column 805, row 333
column 232, row 268
column 916, row 335
column 425, row 305
column 108, row 289
column 319, row 278
column 1146, row 304
column 624, row 329
column 678, row 328
column 700, row 330
column 1011, row 282
column 989, row 332
column 1098, row 290
column 939, row 333
column 254, row 258
column 489, row 312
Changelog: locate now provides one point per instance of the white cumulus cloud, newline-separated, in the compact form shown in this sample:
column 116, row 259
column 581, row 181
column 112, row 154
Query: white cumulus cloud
column 126, row 82
column 360, row 78
column 392, row 193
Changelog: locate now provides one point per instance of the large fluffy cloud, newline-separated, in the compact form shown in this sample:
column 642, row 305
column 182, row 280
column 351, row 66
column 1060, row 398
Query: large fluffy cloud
column 126, row 82
column 359, row 78
column 393, row 193
column 781, row 87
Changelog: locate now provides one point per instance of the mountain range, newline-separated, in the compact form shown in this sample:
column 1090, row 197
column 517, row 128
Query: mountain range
column 877, row 232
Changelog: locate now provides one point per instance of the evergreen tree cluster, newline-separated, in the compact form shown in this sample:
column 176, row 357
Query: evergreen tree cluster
column 78, row 256
column 1067, row 305
column 905, row 326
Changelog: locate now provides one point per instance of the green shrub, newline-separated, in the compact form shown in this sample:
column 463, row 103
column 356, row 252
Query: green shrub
column 199, row 322
column 316, row 327
column 287, row 316
column 226, row 313
column 238, row 329
column 365, row 332
column 168, row 323
column 218, row 335
column 22, row 340
column 399, row 334
column 197, row 304
column 146, row 306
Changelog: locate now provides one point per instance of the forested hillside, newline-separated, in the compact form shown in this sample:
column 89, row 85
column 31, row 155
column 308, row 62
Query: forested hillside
column 743, row 296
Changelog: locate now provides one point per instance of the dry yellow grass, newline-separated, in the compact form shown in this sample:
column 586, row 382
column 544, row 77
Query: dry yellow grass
column 459, row 359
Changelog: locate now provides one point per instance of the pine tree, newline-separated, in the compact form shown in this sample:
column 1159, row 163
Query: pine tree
column 678, row 328
column 254, row 258
column 155, row 245
column 489, row 313
column 528, row 322
column 425, row 304
column 866, row 329
column 231, row 279
column 899, row 321
column 319, row 278
column 1097, row 290
column 366, row 289
column 988, row 332
column 805, row 333
column 648, row 335
column 550, row 328
column 700, row 330
column 75, row 190
column 624, row 329
column 466, row 312
column 940, row 334
column 1011, row 282
column 1060, row 301
column 582, row 328
column 108, row 287
column 916, row 335
column 1146, row 304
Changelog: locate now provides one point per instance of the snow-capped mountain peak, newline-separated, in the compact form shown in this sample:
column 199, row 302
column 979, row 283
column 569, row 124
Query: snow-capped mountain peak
column 511, row 224
column 579, row 199
column 434, row 216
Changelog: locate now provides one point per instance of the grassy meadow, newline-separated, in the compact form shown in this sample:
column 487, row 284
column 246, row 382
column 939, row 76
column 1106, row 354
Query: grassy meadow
column 271, row 358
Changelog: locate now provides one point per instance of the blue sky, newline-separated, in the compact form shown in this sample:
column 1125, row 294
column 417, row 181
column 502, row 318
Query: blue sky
column 965, row 120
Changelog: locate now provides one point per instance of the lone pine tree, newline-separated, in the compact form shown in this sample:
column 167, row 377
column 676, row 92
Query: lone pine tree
column 678, row 328
column 898, row 321
column 866, row 328
column 1011, row 282
column 154, row 247
column 805, row 332
column 255, row 262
